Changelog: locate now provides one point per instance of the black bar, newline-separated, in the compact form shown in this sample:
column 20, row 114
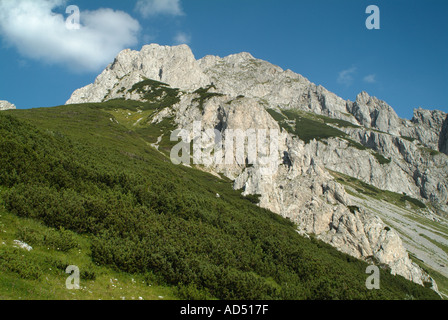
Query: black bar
column 223, row 309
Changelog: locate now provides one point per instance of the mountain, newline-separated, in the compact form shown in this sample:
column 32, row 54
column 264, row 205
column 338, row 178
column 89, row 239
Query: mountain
column 375, row 124
column 81, row 185
column 352, row 175
column 323, row 138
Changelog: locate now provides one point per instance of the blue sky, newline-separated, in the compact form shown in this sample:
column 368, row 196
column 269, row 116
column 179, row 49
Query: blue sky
column 405, row 62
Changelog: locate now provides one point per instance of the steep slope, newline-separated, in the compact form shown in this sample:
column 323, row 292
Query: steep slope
column 81, row 168
column 243, row 75
column 318, row 131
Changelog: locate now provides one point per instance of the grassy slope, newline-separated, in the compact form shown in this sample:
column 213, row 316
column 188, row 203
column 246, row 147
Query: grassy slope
column 133, row 213
column 40, row 273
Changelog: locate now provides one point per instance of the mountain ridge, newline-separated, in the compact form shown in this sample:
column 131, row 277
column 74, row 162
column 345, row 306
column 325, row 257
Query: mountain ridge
column 366, row 110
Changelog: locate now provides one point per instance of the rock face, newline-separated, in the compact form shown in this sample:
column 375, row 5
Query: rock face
column 376, row 146
column 173, row 65
column 5, row 105
column 429, row 127
column 443, row 140
column 242, row 74
column 410, row 167
column 301, row 188
column 371, row 112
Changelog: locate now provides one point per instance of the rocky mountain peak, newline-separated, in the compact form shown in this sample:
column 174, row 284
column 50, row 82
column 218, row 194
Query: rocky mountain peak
column 175, row 66
column 240, row 57
column 363, row 97
column 430, row 118
column 372, row 112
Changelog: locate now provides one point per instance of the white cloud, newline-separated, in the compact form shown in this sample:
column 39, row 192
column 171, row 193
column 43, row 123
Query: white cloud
column 371, row 78
column 39, row 33
column 182, row 38
column 345, row 77
column 149, row 8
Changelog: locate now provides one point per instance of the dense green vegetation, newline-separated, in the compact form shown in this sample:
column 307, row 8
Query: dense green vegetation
column 40, row 273
column 305, row 127
column 410, row 139
column 381, row 159
column 441, row 280
column 337, row 122
column 138, row 116
column 204, row 95
column 157, row 94
column 429, row 151
column 309, row 126
column 79, row 175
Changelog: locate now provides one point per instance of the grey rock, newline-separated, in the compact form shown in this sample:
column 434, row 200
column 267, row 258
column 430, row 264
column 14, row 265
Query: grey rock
column 429, row 127
column 374, row 113
column 22, row 245
column 302, row 190
column 173, row 65
column 242, row 74
column 412, row 168
column 443, row 139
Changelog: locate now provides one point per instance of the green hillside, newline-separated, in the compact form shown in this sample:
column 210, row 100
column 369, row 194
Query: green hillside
column 84, row 187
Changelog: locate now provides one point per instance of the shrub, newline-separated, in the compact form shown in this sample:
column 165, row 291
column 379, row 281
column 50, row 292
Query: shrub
column 61, row 240
column 20, row 262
